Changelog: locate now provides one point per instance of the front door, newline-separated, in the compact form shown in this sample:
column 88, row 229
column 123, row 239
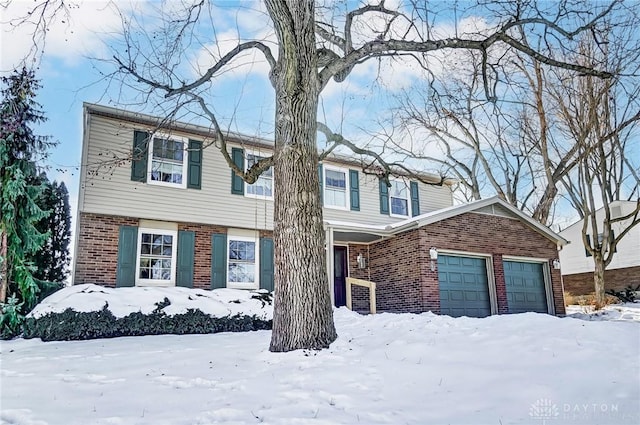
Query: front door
column 340, row 275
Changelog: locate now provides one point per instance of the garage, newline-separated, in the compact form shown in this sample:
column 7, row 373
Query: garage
column 464, row 287
column 525, row 287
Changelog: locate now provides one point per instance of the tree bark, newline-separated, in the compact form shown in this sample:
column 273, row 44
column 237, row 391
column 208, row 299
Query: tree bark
column 4, row 268
column 598, row 280
column 303, row 316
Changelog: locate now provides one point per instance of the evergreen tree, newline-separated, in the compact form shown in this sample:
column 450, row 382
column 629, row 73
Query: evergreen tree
column 52, row 260
column 20, row 187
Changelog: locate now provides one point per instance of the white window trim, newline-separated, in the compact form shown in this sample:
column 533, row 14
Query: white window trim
column 185, row 160
column 408, row 198
column 248, row 152
column 231, row 236
column 347, row 188
column 174, row 257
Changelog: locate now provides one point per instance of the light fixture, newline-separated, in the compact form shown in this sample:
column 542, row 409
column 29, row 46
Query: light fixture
column 362, row 262
column 555, row 263
column 433, row 254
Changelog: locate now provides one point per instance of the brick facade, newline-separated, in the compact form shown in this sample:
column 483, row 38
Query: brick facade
column 615, row 279
column 97, row 250
column 400, row 266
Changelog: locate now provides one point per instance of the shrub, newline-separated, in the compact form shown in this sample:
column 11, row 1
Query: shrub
column 71, row 325
column 11, row 318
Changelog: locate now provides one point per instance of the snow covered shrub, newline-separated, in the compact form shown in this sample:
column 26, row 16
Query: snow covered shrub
column 72, row 325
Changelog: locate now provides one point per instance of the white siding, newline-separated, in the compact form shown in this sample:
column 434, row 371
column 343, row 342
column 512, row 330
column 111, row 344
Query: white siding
column 573, row 258
column 108, row 188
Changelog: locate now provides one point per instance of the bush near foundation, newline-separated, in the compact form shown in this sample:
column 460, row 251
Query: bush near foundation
column 71, row 325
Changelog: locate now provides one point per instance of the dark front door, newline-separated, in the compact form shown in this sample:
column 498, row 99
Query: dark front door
column 340, row 275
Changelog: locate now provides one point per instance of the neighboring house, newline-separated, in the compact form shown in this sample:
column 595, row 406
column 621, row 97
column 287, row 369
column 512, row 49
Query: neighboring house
column 578, row 266
column 176, row 215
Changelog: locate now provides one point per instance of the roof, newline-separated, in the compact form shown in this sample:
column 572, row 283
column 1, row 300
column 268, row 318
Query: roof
column 232, row 137
column 443, row 214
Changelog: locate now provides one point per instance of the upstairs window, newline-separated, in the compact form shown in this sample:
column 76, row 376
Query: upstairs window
column 335, row 187
column 263, row 187
column 399, row 198
column 167, row 157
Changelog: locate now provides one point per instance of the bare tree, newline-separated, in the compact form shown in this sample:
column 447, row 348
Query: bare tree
column 601, row 117
column 314, row 47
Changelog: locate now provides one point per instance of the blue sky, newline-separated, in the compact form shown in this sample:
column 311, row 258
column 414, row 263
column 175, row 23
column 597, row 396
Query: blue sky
column 70, row 75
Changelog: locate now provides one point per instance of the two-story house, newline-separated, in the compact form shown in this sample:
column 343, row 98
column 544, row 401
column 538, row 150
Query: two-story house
column 159, row 206
column 624, row 268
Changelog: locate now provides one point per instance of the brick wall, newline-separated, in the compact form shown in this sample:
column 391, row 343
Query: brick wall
column 616, row 279
column 400, row 266
column 97, row 250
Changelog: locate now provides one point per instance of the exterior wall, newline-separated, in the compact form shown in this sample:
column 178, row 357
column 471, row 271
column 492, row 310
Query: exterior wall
column 574, row 259
column 97, row 250
column 107, row 188
column 400, row 266
column 615, row 279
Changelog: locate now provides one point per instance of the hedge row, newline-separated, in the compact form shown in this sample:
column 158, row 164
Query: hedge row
column 71, row 325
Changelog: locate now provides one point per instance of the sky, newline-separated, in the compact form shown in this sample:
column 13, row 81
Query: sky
column 385, row 368
column 74, row 65
column 71, row 70
column 70, row 64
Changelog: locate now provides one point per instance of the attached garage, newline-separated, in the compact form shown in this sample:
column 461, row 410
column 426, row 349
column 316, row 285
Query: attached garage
column 464, row 286
column 525, row 286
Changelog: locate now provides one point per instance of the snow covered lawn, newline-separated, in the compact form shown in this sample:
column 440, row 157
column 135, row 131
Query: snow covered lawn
column 384, row 369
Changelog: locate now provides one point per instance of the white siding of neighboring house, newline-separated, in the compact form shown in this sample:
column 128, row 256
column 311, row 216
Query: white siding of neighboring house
column 109, row 189
column 573, row 258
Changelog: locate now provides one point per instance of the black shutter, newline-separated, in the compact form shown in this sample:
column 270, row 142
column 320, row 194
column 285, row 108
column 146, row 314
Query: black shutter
column 384, row 197
column 185, row 258
column 139, row 156
column 354, row 190
column 237, row 184
column 194, row 169
column 127, row 251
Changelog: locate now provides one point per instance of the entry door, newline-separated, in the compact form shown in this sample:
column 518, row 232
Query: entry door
column 340, row 275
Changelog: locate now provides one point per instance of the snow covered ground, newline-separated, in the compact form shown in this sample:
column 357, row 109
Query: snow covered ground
column 383, row 369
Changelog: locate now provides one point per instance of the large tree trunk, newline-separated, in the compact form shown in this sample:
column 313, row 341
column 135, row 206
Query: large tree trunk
column 4, row 268
column 303, row 316
column 598, row 280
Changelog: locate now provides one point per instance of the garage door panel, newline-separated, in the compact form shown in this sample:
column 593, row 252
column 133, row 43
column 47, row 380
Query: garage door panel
column 525, row 287
column 464, row 287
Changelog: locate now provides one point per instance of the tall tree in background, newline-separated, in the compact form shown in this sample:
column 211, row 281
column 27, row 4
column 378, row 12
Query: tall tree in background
column 316, row 44
column 601, row 117
column 20, row 150
column 51, row 262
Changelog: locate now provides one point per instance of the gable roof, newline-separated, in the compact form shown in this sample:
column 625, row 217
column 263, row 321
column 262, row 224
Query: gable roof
column 449, row 212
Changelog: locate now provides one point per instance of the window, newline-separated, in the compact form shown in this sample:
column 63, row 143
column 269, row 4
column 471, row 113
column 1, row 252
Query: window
column 263, row 187
column 399, row 198
column 335, row 187
column 167, row 157
column 156, row 261
column 242, row 262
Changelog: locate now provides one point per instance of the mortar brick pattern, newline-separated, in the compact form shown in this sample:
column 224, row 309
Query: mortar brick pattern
column 615, row 279
column 400, row 266
column 97, row 254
